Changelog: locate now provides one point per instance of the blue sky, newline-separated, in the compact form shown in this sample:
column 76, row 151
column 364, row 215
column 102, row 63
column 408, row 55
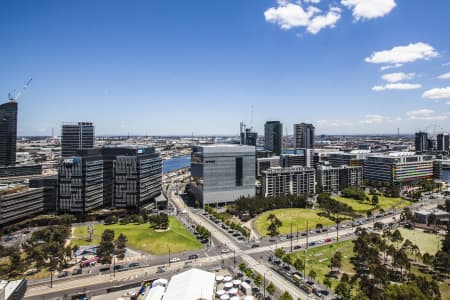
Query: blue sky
column 177, row 67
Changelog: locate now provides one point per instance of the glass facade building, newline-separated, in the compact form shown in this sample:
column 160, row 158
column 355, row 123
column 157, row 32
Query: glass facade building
column 8, row 133
column 222, row 173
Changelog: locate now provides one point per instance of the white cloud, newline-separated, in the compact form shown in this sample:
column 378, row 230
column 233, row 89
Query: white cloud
column 333, row 123
column 447, row 64
column 372, row 119
column 383, row 68
column 396, row 77
column 397, row 86
column 403, row 54
column 444, row 76
column 448, row 102
column 329, row 20
column 437, row 93
column 369, row 9
column 289, row 15
column 425, row 115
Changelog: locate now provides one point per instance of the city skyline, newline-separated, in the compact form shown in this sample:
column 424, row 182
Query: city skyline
column 177, row 68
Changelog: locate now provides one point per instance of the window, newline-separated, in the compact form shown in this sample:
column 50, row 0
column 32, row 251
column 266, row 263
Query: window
column 239, row 171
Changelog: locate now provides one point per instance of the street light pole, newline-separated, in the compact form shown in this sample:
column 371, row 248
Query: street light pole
column 264, row 282
column 291, row 237
column 169, row 257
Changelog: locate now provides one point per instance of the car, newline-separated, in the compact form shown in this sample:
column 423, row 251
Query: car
column 104, row 269
column 320, row 242
column 118, row 267
column 63, row 274
column 318, row 231
column 134, row 265
column 225, row 250
column 241, row 238
column 77, row 271
column 8, row 238
column 255, row 246
column 160, row 270
column 312, row 244
column 297, row 247
column 325, row 230
column 289, row 236
column 174, row 259
column 193, row 256
column 282, row 238
column 328, row 240
column 204, row 241
column 30, row 272
column 304, row 234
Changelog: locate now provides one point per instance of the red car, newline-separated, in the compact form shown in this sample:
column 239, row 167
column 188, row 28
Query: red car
column 328, row 240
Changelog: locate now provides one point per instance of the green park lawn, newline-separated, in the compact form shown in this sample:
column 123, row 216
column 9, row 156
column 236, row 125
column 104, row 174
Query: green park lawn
column 427, row 242
column 318, row 259
column 295, row 216
column 363, row 206
column 142, row 237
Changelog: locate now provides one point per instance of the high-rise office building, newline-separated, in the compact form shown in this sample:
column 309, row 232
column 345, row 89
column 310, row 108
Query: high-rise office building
column 421, row 142
column 76, row 136
column 273, row 135
column 80, row 182
column 132, row 175
column 8, row 133
column 248, row 136
column 304, row 135
column 442, row 142
column 222, row 173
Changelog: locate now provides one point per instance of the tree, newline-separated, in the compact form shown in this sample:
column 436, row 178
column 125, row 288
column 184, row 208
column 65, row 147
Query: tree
column 279, row 253
column 242, row 266
column 298, row 264
column 375, row 200
column 327, row 282
column 286, row 296
column 275, row 223
column 427, row 259
column 270, row 288
column 312, row 274
column 378, row 225
column 395, row 237
column 106, row 247
column 121, row 246
column 343, row 290
column 90, row 230
column 287, row 259
column 249, row 272
column 336, row 260
column 15, row 264
column 258, row 279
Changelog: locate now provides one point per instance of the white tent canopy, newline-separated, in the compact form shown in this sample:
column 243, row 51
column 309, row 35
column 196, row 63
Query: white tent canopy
column 191, row 285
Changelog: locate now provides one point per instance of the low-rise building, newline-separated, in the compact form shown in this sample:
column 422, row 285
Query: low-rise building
column 18, row 202
column 288, row 181
column 13, row 290
column 263, row 164
column 398, row 167
column 194, row 284
column 423, row 215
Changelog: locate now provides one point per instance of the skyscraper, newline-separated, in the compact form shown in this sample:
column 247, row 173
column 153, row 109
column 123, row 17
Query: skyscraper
column 76, row 136
column 273, row 134
column 304, row 135
column 442, row 142
column 421, row 142
column 248, row 136
column 8, row 133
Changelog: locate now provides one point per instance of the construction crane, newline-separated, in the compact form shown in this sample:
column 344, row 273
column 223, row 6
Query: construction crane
column 25, row 86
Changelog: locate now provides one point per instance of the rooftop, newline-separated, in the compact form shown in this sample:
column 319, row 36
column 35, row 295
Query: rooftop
column 194, row 284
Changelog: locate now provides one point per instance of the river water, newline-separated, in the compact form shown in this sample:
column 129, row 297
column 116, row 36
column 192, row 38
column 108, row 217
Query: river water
column 176, row 163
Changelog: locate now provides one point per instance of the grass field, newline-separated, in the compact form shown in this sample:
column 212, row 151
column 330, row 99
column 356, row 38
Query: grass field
column 318, row 259
column 427, row 242
column 142, row 237
column 384, row 203
column 296, row 216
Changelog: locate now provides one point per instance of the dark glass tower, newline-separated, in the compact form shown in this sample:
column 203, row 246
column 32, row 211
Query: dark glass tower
column 304, row 135
column 273, row 134
column 421, row 142
column 76, row 136
column 8, row 133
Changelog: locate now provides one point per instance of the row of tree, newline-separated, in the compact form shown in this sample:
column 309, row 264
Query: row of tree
column 159, row 221
column 252, row 206
column 109, row 247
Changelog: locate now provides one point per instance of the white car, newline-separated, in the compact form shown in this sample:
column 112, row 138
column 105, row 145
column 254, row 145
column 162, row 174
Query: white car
column 320, row 241
column 175, row 259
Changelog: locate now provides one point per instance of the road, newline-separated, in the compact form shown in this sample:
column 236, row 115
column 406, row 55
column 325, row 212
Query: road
column 253, row 257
